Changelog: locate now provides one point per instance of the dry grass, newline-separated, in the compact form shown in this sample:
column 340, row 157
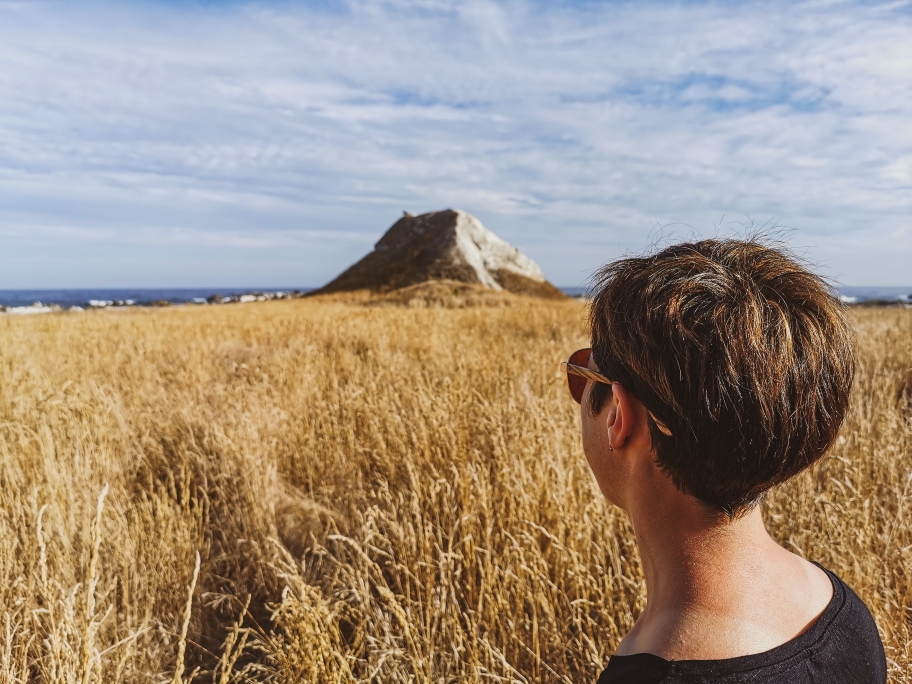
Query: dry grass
column 397, row 494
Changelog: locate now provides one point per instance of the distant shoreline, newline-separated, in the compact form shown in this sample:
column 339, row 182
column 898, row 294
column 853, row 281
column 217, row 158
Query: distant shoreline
column 44, row 301
column 125, row 297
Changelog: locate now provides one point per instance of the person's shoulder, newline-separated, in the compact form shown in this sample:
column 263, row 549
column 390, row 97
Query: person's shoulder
column 853, row 612
column 641, row 668
column 843, row 645
column 852, row 639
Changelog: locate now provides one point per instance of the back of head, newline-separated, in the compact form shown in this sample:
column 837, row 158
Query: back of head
column 743, row 353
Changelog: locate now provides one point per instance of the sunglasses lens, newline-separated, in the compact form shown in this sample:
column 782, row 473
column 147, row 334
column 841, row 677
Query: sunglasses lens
column 577, row 383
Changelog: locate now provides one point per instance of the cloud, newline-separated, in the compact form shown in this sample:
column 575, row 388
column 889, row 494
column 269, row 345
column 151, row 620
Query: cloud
column 572, row 129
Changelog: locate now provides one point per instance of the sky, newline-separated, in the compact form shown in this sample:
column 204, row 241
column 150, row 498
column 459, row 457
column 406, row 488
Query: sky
column 197, row 144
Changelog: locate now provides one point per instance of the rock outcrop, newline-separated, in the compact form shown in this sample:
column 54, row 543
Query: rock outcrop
column 443, row 245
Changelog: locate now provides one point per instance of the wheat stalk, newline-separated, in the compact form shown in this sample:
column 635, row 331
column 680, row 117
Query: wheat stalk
column 91, row 584
column 188, row 611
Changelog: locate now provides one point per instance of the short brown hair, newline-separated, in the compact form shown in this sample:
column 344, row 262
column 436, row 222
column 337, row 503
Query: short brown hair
column 741, row 351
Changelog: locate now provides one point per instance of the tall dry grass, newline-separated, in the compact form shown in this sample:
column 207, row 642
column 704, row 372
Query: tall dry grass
column 375, row 494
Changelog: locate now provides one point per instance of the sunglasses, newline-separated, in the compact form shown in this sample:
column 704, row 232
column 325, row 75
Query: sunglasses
column 579, row 374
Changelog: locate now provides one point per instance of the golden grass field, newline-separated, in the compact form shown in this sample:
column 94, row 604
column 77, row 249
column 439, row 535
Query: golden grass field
column 395, row 494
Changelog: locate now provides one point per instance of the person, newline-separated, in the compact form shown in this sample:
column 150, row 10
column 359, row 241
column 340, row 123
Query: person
column 718, row 370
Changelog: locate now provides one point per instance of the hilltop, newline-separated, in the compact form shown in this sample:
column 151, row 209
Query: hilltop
column 449, row 245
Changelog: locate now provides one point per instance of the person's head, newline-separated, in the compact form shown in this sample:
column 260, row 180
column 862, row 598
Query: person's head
column 736, row 350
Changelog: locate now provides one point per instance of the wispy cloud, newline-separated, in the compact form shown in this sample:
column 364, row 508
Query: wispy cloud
column 297, row 134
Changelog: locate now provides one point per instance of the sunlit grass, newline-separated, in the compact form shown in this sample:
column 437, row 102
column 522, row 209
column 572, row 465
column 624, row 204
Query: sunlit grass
column 399, row 494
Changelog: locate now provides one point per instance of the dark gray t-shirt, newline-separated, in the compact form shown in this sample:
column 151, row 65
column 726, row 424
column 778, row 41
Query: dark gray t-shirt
column 841, row 646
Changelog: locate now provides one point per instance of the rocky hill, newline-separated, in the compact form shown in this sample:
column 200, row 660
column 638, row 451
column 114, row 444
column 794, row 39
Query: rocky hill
column 446, row 245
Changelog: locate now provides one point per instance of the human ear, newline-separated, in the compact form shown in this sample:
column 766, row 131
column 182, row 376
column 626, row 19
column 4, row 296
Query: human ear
column 621, row 418
column 611, row 418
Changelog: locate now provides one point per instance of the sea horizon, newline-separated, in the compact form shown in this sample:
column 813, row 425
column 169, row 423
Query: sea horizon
column 83, row 297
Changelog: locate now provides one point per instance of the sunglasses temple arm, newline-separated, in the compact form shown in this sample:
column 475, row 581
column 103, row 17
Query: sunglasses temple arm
column 566, row 368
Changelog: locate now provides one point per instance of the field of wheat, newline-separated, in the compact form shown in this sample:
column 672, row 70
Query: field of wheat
column 311, row 491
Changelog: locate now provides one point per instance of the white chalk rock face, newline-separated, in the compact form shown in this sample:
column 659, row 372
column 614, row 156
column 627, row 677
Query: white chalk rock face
column 444, row 245
column 488, row 254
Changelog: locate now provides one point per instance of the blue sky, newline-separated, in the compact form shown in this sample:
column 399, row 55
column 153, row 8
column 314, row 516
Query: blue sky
column 229, row 144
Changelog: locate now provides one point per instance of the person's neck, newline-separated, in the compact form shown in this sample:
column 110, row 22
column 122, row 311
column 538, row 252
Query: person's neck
column 690, row 556
column 699, row 567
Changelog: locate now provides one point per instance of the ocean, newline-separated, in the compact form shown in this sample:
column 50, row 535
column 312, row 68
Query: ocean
column 144, row 296
column 135, row 296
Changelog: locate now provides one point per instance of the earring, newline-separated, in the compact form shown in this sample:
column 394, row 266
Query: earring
column 610, row 448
